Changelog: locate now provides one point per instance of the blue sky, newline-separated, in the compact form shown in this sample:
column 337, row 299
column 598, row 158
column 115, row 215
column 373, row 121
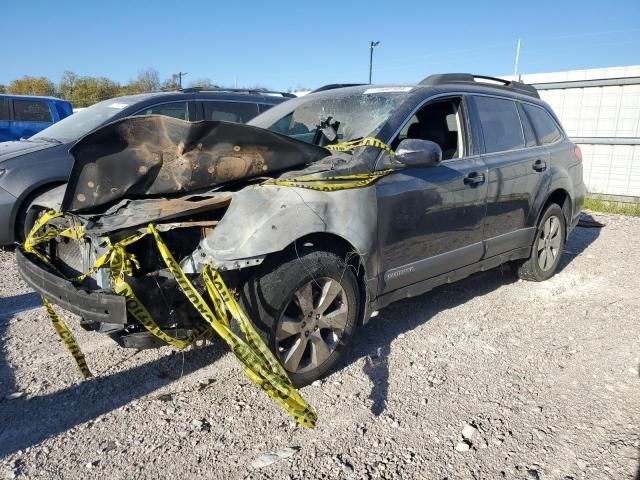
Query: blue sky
column 306, row 43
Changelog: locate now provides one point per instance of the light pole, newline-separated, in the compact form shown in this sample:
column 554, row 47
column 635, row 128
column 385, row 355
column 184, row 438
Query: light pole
column 372, row 45
column 180, row 75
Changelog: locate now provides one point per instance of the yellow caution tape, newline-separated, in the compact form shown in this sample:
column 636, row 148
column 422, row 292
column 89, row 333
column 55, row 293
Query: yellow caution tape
column 68, row 339
column 340, row 182
column 331, row 184
column 362, row 142
column 260, row 364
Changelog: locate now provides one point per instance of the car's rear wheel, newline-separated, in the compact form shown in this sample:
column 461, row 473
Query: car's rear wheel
column 306, row 307
column 547, row 247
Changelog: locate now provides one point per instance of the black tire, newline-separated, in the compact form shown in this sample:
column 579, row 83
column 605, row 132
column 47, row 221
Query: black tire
column 26, row 219
column 274, row 298
column 547, row 249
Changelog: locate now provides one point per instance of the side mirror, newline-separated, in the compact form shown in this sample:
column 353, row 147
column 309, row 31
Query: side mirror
column 414, row 152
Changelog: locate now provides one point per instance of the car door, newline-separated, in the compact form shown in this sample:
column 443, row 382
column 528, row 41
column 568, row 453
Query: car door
column 513, row 175
column 5, row 120
column 30, row 117
column 430, row 219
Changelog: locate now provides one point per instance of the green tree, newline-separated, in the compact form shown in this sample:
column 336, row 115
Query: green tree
column 3, row 88
column 28, row 85
column 85, row 91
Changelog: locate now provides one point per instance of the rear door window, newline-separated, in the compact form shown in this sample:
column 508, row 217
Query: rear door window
column 546, row 129
column 4, row 109
column 31, row 111
column 240, row 112
column 175, row 110
column 500, row 124
column 529, row 135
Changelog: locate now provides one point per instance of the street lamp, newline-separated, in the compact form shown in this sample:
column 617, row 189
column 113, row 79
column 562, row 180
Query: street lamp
column 372, row 45
column 180, row 75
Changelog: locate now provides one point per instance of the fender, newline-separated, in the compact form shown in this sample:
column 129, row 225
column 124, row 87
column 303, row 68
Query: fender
column 266, row 219
column 554, row 179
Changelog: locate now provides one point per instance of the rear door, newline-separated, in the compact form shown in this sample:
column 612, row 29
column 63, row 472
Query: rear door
column 430, row 218
column 512, row 175
column 29, row 117
column 5, row 120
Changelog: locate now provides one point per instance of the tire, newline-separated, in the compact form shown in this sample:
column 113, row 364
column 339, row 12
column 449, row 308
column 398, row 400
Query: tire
column 306, row 308
column 26, row 219
column 547, row 247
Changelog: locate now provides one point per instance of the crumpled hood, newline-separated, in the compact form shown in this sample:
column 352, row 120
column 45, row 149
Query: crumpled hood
column 154, row 155
column 10, row 150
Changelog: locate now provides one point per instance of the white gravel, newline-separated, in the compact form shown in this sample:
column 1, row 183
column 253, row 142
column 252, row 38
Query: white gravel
column 488, row 378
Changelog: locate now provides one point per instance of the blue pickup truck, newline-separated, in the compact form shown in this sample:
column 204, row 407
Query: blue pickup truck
column 22, row 116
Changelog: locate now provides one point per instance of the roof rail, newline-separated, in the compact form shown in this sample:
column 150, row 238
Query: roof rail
column 254, row 91
column 333, row 86
column 468, row 78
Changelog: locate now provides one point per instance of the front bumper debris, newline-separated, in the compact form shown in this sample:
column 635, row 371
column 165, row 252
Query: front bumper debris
column 92, row 307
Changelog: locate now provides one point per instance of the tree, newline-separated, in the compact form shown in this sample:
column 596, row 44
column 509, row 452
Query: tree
column 67, row 84
column 85, row 91
column 203, row 83
column 28, row 85
column 172, row 83
column 3, row 88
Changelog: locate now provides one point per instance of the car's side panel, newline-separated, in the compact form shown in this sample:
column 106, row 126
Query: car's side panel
column 424, row 216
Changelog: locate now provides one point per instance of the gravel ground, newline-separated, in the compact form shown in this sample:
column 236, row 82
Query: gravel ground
column 488, row 378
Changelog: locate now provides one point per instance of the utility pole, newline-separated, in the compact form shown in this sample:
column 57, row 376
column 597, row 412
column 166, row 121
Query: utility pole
column 515, row 69
column 372, row 45
column 180, row 75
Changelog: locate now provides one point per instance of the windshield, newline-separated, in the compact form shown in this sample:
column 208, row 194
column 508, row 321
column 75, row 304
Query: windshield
column 334, row 117
column 80, row 123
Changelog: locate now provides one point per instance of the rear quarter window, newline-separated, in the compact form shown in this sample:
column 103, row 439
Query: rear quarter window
column 31, row 111
column 239, row 112
column 544, row 126
column 500, row 123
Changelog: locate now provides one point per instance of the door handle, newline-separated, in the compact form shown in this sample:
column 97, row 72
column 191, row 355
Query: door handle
column 474, row 178
column 539, row 165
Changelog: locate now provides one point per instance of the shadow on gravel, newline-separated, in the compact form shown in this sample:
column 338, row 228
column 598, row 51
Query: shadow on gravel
column 580, row 239
column 27, row 421
column 373, row 342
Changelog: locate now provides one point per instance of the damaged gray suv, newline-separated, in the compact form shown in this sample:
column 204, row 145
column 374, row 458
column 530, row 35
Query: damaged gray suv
column 317, row 213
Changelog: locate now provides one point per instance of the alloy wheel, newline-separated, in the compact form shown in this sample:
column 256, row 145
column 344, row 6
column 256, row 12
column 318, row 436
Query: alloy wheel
column 312, row 325
column 549, row 243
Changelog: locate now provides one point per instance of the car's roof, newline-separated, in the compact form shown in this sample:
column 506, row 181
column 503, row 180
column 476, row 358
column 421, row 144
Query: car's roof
column 427, row 90
column 249, row 95
column 31, row 97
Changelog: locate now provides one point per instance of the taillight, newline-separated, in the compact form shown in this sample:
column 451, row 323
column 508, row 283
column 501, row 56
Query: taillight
column 578, row 153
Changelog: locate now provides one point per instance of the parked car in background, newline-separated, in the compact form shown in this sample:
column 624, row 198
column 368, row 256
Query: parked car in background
column 30, row 167
column 22, row 116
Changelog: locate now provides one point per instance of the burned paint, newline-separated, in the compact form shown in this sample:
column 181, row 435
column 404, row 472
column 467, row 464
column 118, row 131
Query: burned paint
column 132, row 213
column 158, row 155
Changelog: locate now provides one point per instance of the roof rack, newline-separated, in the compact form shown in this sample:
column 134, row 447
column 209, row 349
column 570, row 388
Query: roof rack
column 468, row 78
column 333, row 86
column 254, row 91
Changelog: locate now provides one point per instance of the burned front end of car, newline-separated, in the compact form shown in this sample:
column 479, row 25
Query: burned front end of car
column 177, row 176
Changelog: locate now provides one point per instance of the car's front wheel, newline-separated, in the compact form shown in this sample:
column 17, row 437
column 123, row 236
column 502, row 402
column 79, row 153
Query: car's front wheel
column 306, row 307
column 547, row 247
